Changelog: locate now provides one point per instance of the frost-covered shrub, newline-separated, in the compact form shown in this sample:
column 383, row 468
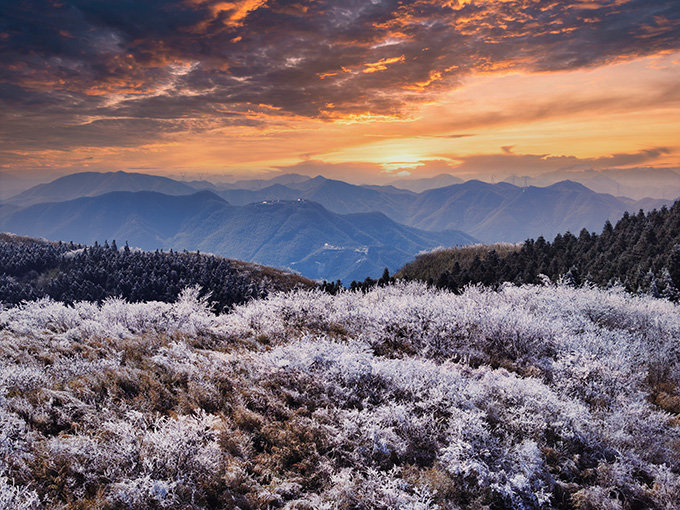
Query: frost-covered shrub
column 143, row 492
column 529, row 397
column 114, row 318
column 17, row 498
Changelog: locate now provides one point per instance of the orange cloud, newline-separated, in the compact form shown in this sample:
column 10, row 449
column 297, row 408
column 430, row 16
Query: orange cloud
column 381, row 65
column 230, row 13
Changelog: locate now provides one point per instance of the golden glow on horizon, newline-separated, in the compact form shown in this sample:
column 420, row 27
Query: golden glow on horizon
column 618, row 109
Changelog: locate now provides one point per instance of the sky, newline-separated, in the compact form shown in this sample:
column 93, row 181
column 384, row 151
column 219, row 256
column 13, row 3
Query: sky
column 364, row 90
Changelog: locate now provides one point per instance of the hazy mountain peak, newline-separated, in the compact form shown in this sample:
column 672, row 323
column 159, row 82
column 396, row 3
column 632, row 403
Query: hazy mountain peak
column 636, row 183
column 88, row 184
column 207, row 194
column 569, row 185
column 427, row 183
column 290, row 180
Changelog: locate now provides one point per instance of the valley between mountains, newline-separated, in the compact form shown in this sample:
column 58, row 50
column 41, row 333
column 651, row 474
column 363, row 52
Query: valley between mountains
column 321, row 228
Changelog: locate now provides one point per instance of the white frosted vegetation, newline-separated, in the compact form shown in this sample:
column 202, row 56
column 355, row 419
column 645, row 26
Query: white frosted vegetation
column 403, row 397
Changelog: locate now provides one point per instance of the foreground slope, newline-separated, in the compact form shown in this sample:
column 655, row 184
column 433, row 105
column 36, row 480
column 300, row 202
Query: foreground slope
column 403, row 397
column 282, row 234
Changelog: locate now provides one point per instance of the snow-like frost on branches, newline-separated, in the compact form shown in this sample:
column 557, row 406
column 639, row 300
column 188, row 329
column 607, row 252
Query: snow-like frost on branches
column 400, row 397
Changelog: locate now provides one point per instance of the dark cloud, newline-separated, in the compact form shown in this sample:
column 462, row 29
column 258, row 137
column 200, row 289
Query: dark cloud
column 168, row 62
column 628, row 159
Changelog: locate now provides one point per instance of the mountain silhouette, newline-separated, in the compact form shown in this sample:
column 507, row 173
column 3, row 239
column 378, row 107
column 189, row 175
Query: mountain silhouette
column 89, row 184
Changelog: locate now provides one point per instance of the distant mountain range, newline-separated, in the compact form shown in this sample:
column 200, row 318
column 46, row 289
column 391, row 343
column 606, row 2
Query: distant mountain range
column 503, row 212
column 290, row 180
column 321, row 227
column 11, row 184
column 635, row 183
column 337, row 196
column 489, row 212
column 299, row 234
column 90, row 184
column 420, row 185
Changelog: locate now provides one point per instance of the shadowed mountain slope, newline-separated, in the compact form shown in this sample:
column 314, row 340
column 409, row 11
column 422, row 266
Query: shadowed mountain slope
column 282, row 233
column 506, row 213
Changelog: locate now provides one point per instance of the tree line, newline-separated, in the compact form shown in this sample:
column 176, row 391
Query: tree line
column 32, row 269
column 641, row 253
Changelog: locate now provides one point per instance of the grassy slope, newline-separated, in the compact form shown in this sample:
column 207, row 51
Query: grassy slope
column 428, row 266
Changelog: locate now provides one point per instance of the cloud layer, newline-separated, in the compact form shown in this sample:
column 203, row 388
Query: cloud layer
column 74, row 72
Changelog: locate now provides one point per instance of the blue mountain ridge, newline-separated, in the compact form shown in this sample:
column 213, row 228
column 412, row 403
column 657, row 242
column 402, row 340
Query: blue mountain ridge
column 298, row 234
column 489, row 212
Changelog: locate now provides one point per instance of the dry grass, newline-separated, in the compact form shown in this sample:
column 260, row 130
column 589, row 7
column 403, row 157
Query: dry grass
column 428, row 266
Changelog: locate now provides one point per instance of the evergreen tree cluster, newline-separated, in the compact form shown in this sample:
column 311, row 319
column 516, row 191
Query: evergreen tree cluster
column 642, row 253
column 32, row 269
column 364, row 286
column 369, row 283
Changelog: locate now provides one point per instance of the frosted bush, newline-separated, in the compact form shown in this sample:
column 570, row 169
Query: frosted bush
column 14, row 447
column 17, row 498
column 21, row 378
column 143, row 492
column 402, row 397
column 190, row 313
column 666, row 490
column 505, row 459
column 375, row 489
column 178, row 358
column 176, row 448
column 43, row 314
column 113, row 318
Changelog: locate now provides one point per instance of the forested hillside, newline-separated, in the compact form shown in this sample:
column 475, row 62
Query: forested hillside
column 642, row 252
column 32, row 269
column 532, row 397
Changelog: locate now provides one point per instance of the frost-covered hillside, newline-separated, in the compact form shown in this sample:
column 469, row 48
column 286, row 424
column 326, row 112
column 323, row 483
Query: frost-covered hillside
column 403, row 397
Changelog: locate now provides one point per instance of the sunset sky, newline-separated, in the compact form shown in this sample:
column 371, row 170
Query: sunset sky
column 364, row 90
